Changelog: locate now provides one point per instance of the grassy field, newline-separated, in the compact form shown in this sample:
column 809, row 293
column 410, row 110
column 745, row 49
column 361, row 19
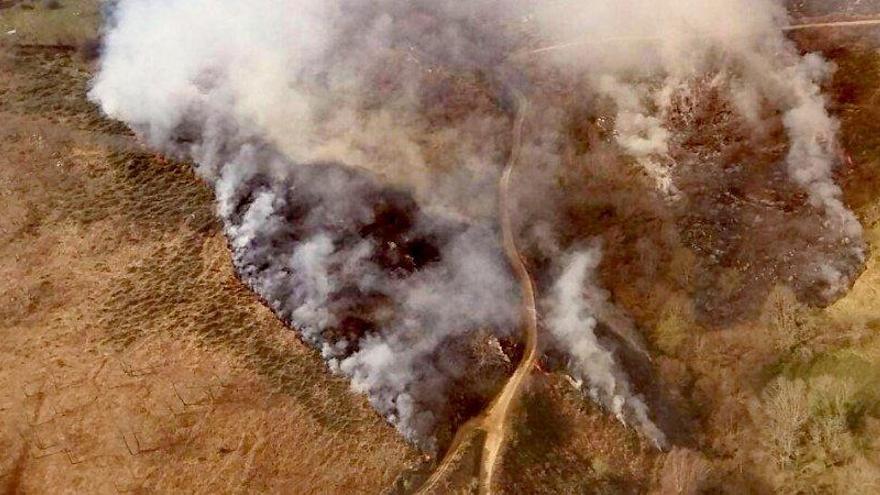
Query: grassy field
column 67, row 22
column 132, row 358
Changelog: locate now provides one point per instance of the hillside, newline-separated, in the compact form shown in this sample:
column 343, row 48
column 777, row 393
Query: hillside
column 133, row 359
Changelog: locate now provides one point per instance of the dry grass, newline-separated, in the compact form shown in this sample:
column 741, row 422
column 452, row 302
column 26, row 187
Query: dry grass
column 132, row 358
column 72, row 23
column 562, row 443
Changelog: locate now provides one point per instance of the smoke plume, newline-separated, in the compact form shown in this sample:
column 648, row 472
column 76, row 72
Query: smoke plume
column 572, row 306
column 655, row 62
column 354, row 148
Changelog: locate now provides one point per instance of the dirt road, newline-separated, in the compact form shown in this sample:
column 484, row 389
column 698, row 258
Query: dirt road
column 616, row 40
column 838, row 24
column 494, row 420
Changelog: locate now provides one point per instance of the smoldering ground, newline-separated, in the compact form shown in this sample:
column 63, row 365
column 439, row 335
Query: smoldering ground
column 354, row 149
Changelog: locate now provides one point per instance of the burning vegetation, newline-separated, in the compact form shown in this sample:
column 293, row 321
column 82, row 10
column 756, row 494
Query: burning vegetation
column 678, row 165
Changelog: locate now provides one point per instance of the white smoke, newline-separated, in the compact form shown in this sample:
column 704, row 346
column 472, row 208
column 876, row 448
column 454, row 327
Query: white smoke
column 640, row 53
column 309, row 117
column 640, row 134
column 572, row 306
column 267, row 97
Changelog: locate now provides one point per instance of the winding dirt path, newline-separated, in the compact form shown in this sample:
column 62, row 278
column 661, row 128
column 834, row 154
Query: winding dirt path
column 836, row 24
column 642, row 39
column 494, row 420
